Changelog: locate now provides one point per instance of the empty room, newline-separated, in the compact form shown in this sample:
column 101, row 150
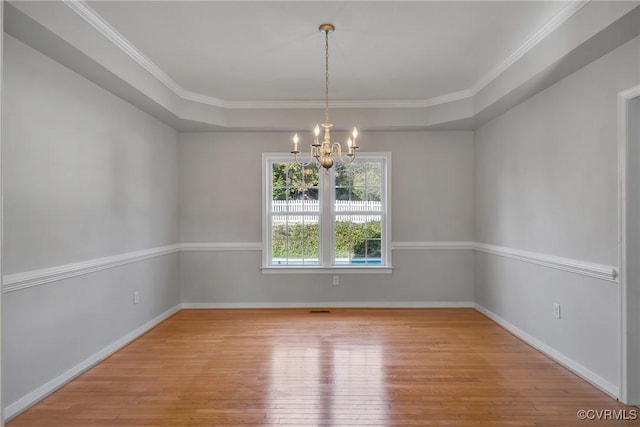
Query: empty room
column 320, row 213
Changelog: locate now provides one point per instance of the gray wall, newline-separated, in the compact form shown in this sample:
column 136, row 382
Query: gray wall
column 86, row 176
column 633, row 251
column 546, row 182
column 432, row 199
column 1, row 173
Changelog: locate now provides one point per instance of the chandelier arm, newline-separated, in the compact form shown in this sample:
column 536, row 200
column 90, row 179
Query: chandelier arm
column 336, row 148
column 301, row 162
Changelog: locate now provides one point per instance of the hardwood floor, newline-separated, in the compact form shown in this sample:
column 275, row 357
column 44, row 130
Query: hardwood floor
column 376, row 367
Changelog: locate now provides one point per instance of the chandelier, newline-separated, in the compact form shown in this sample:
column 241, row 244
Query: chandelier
column 322, row 152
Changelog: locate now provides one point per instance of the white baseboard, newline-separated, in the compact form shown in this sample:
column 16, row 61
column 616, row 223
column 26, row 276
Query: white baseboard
column 554, row 354
column 340, row 304
column 44, row 390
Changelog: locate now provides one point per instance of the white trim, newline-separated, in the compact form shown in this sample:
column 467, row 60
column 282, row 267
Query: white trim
column 18, row 281
column 15, row 282
column 221, row 246
column 567, row 12
column 554, row 354
column 326, row 214
column 333, row 304
column 335, row 269
column 44, row 390
column 428, row 246
column 103, row 27
column 2, row 107
column 337, row 104
column 585, row 268
column 111, row 34
column 623, row 147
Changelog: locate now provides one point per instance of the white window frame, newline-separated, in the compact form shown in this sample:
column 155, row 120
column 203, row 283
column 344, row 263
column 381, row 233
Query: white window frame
column 327, row 213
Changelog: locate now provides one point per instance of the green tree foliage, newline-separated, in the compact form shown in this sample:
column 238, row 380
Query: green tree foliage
column 291, row 182
column 359, row 181
column 353, row 240
column 302, row 240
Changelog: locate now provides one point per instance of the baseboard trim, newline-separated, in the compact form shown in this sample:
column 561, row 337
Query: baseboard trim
column 29, row 279
column 562, row 359
column 44, row 390
column 334, row 304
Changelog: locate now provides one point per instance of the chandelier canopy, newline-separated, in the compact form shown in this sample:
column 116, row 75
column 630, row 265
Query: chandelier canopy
column 322, row 152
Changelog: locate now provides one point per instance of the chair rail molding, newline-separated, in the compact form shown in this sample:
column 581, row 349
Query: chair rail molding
column 585, row 268
column 18, row 281
column 28, row 279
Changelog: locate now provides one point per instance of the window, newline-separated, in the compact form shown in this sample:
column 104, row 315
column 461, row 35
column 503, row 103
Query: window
column 317, row 219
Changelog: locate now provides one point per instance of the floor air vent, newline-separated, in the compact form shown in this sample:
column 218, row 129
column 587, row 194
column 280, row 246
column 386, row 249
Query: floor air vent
column 319, row 311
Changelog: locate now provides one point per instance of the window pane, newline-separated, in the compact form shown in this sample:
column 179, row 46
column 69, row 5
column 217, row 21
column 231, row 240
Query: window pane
column 358, row 173
column 357, row 195
column 295, row 238
column 358, row 231
column 373, row 227
column 291, row 181
column 358, row 239
column 374, row 250
column 342, row 176
column 374, row 194
column 374, row 174
column 342, row 193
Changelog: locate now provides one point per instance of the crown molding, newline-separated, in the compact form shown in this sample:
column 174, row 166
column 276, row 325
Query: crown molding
column 111, row 34
column 407, row 103
column 549, row 27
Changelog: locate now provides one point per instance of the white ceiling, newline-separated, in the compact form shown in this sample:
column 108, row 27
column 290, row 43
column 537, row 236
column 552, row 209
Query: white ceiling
column 259, row 65
column 273, row 51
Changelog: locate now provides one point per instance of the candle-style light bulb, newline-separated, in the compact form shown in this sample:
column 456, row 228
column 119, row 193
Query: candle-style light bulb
column 295, row 142
column 316, row 130
column 349, row 142
column 355, row 133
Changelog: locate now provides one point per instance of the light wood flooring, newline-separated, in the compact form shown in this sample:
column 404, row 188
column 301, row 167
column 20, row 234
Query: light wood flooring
column 375, row 367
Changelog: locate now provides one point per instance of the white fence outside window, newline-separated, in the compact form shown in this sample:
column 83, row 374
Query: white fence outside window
column 368, row 209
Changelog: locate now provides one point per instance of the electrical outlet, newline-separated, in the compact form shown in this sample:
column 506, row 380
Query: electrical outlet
column 336, row 280
column 556, row 310
column 136, row 297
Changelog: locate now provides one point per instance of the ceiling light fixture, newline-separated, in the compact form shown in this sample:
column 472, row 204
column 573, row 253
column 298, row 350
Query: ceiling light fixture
column 322, row 152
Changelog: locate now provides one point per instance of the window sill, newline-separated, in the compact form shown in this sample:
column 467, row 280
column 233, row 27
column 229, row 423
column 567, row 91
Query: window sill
column 326, row 270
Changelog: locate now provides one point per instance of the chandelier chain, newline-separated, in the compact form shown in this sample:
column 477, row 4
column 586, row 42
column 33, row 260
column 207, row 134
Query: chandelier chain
column 326, row 79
